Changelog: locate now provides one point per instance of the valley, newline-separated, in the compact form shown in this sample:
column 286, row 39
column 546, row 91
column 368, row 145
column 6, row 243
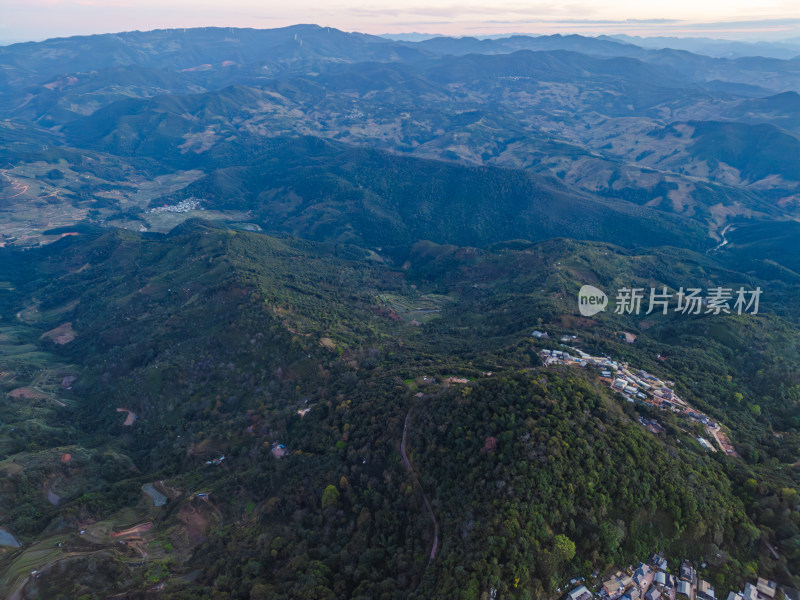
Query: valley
column 284, row 314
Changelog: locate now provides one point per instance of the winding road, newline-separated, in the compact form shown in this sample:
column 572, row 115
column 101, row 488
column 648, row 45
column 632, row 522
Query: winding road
column 407, row 463
column 14, row 183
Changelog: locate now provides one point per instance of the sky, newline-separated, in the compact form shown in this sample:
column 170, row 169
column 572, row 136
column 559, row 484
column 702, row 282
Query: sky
column 729, row 19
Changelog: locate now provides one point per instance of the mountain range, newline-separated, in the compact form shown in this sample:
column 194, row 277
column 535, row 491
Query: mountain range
column 666, row 132
column 278, row 311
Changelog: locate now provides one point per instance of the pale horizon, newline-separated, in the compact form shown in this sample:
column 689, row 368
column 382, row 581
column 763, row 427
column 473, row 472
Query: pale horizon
column 34, row 20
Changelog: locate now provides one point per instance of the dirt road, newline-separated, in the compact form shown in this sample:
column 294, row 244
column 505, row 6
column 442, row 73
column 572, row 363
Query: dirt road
column 428, row 506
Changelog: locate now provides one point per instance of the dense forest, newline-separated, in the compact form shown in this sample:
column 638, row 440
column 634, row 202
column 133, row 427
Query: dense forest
column 273, row 381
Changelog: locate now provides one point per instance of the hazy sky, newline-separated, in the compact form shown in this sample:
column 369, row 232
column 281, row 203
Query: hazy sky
column 732, row 19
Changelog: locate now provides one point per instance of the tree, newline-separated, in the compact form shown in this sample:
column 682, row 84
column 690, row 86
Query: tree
column 330, row 496
column 563, row 548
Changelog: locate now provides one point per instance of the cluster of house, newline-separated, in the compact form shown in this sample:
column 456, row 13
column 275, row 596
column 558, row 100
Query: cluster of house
column 762, row 590
column 632, row 384
column 646, row 387
column 651, row 581
column 542, row 335
column 181, row 207
column 637, row 385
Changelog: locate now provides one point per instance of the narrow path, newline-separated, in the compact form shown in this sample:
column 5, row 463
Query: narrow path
column 723, row 441
column 14, row 183
column 407, row 463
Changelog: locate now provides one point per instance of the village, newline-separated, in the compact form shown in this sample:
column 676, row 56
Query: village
column 187, row 205
column 637, row 385
column 654, row 581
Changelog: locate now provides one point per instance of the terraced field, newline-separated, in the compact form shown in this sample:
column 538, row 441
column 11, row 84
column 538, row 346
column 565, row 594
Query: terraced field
column 421, row 308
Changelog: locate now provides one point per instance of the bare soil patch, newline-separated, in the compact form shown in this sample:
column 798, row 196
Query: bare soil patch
column 141, row 528
column 63, row 334
column 27, row 393
column 130, row 418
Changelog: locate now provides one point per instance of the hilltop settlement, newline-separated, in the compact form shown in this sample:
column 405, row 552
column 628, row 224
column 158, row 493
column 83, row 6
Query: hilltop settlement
column 637, row 385
column 654, row 580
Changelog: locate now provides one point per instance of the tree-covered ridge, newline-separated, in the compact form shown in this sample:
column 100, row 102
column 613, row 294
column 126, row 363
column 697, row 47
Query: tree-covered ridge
column 562, row 460
column 328, row 191
column 230, row 344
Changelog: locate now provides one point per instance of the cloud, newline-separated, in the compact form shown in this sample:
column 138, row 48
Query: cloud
column 653, row 21
column 568, row 22
column 738, row 19
column 456, row 11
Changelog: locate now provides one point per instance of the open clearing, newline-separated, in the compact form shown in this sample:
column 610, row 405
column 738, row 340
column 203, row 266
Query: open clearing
column 128, row 419
column 63, row 334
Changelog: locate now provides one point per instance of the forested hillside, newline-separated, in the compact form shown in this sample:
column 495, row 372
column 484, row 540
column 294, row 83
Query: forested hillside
column 272, row 379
